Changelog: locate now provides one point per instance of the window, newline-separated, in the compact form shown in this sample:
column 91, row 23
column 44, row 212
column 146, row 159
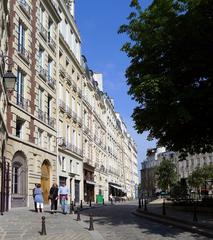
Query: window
column 21, row 37
column 19, row 127
column 42, row 15
column 67, row 98
column 20, row 86
column 77, row 167
column 16, row 177
column 63, row 165
column 70, row 165
column 74, row 137
column 40, row 138
column 49, row 142
column 79, row 109
column 50, row 67
column 41, row 57
column 73, row 104
column 49, row 105
column 40, row 98
column 68, row 134
column 50, row 29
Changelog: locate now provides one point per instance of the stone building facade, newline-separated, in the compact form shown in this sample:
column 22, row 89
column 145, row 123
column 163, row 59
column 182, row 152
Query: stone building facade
column 61, row 125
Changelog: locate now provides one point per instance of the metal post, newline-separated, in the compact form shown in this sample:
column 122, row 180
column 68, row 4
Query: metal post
column 164, row 207
column 139, row 203
column 90, row 203
column 43, row 227
column 91, row 227
column 81, row 204
column 2, row 185
column 111, row 201
column 78, row 215
column 195, row 213
column 103, row 201
column 145, row 206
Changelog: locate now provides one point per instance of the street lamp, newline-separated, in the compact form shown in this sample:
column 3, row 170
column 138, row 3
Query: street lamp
column 9, row 79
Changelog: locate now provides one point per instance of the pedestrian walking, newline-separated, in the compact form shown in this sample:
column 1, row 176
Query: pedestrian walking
column 53, row 196
column 63, row 195
column 34, row 197
column 39, row 198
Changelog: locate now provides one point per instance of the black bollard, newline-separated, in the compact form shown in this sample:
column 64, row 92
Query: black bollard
column 81, row 204
column 91, row 228
column 43, row 227
column 90, row 203
column 145, row 206
column 195, row 213
column 164, row 208
column 103, row 201
column 78, row 215
column 139, row 203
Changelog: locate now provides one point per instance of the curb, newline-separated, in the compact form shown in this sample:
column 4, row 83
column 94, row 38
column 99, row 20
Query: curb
column 175, row 222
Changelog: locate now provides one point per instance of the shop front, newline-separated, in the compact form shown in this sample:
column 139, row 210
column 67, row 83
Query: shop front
column 89, row 184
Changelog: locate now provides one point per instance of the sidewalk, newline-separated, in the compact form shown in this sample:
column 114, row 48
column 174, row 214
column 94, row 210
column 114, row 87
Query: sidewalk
column 179, row 216
column 25, row 224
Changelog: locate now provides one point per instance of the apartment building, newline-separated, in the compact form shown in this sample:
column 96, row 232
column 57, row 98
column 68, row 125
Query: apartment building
column 69, row 102
column 61, row 125
column 31, row 112
column 3, row 97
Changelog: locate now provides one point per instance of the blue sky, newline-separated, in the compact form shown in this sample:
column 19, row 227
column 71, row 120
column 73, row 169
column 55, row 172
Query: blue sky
column 98, row 22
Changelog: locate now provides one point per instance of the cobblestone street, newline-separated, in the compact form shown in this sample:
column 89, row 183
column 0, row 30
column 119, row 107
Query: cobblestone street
column 111, row 222
column 117, row 223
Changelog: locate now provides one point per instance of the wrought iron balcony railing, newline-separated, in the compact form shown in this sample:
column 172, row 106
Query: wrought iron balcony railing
column 25, row 7
column 51, row 42
column 22, row 102
column 23, row 53
column 43, row 31
column 41, row 115
column 51, row 82
column 62, row 105
column 43, row 73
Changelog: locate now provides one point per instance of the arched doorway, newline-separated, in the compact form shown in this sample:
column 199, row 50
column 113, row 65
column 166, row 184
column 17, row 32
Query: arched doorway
column 45, row 179
column 19, row 180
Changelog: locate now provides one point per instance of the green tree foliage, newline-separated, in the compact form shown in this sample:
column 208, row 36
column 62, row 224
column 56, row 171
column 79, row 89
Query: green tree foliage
column 166, row 175
column 179, row 190
column 171, row 72
column 198, row 177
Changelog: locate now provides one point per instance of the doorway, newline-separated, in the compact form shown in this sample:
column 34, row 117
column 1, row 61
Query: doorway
column 45, row 179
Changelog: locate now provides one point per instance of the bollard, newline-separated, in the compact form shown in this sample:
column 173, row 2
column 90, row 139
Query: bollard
column 139, row 203
column 78, row 215
column 195, row 213
column 111, row 201
column 90, row 203
column 81, row 204
column 43, row 227
column 91, row 228
column 164, row 207
column 145, row 206
column 103, row 201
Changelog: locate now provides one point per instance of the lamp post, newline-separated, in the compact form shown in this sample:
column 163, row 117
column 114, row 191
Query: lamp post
column 9, row 81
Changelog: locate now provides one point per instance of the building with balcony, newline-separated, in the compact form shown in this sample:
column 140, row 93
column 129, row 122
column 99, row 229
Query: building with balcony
column 4, row 181
column 69, row 103
column 61, row 126
column 31, row 112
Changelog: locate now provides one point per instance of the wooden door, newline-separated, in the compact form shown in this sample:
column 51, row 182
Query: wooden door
column 45, row 180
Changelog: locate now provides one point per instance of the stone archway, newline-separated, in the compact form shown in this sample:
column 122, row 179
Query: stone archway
column 45, row 179
column 19, row 180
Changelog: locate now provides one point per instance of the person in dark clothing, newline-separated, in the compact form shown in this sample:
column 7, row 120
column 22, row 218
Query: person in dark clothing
column 35, row 206
column 53, row 196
